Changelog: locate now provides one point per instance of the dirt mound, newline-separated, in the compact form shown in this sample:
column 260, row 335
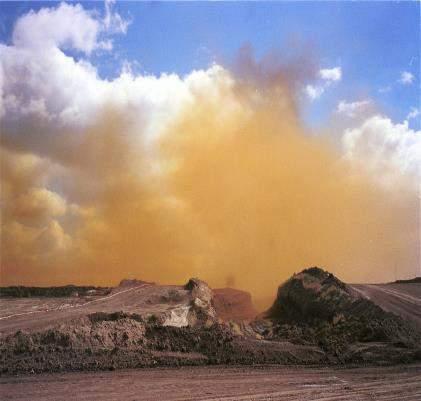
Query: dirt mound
column 312, row 294
column 86, row 343
column 133, row 282
column 232, row 304
column 118, row 340
column 315, row 307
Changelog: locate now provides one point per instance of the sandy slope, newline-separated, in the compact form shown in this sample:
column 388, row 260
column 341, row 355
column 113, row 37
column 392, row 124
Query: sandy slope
column 401, row 299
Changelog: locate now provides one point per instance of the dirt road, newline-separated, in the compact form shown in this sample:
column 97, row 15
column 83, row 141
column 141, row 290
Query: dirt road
column 38, row 313
column 401, row 383
column 401, row 299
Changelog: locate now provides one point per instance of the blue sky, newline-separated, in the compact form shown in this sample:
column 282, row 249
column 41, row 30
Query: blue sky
column 372, row 43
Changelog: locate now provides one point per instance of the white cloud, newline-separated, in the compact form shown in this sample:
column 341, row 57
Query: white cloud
column 313, row 91
column 46, row 93
column 384, row 147
column 68, row 26
column 39, row 81
column 331, row 74
column 413, row 113
column 406, row 78
column 350, row 109
column 65, row 26
column 113, row 22
column 327, row 76
column 2, row 111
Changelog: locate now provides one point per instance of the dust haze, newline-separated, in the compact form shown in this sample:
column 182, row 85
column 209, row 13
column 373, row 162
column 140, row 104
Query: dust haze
column 233, row 187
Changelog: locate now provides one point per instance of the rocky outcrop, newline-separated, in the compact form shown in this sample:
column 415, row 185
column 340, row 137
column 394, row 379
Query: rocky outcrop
column 201, row 310
column 190, row 305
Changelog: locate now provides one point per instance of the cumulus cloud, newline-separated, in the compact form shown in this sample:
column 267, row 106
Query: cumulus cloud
column 351, row 109
column 331, row 74
column 31, row 231
column 60, row 91
column 406, row 78
column 39, row 201
column 385, row 148
column 57, row 88
column 67, row 26
column 328, row 76
column 314, row 91
column 113, row 22
column 49, row 102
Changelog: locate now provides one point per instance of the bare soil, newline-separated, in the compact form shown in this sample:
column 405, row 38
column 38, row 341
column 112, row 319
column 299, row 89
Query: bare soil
column 401, row 383
column 31, row 314
column 318, row 320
